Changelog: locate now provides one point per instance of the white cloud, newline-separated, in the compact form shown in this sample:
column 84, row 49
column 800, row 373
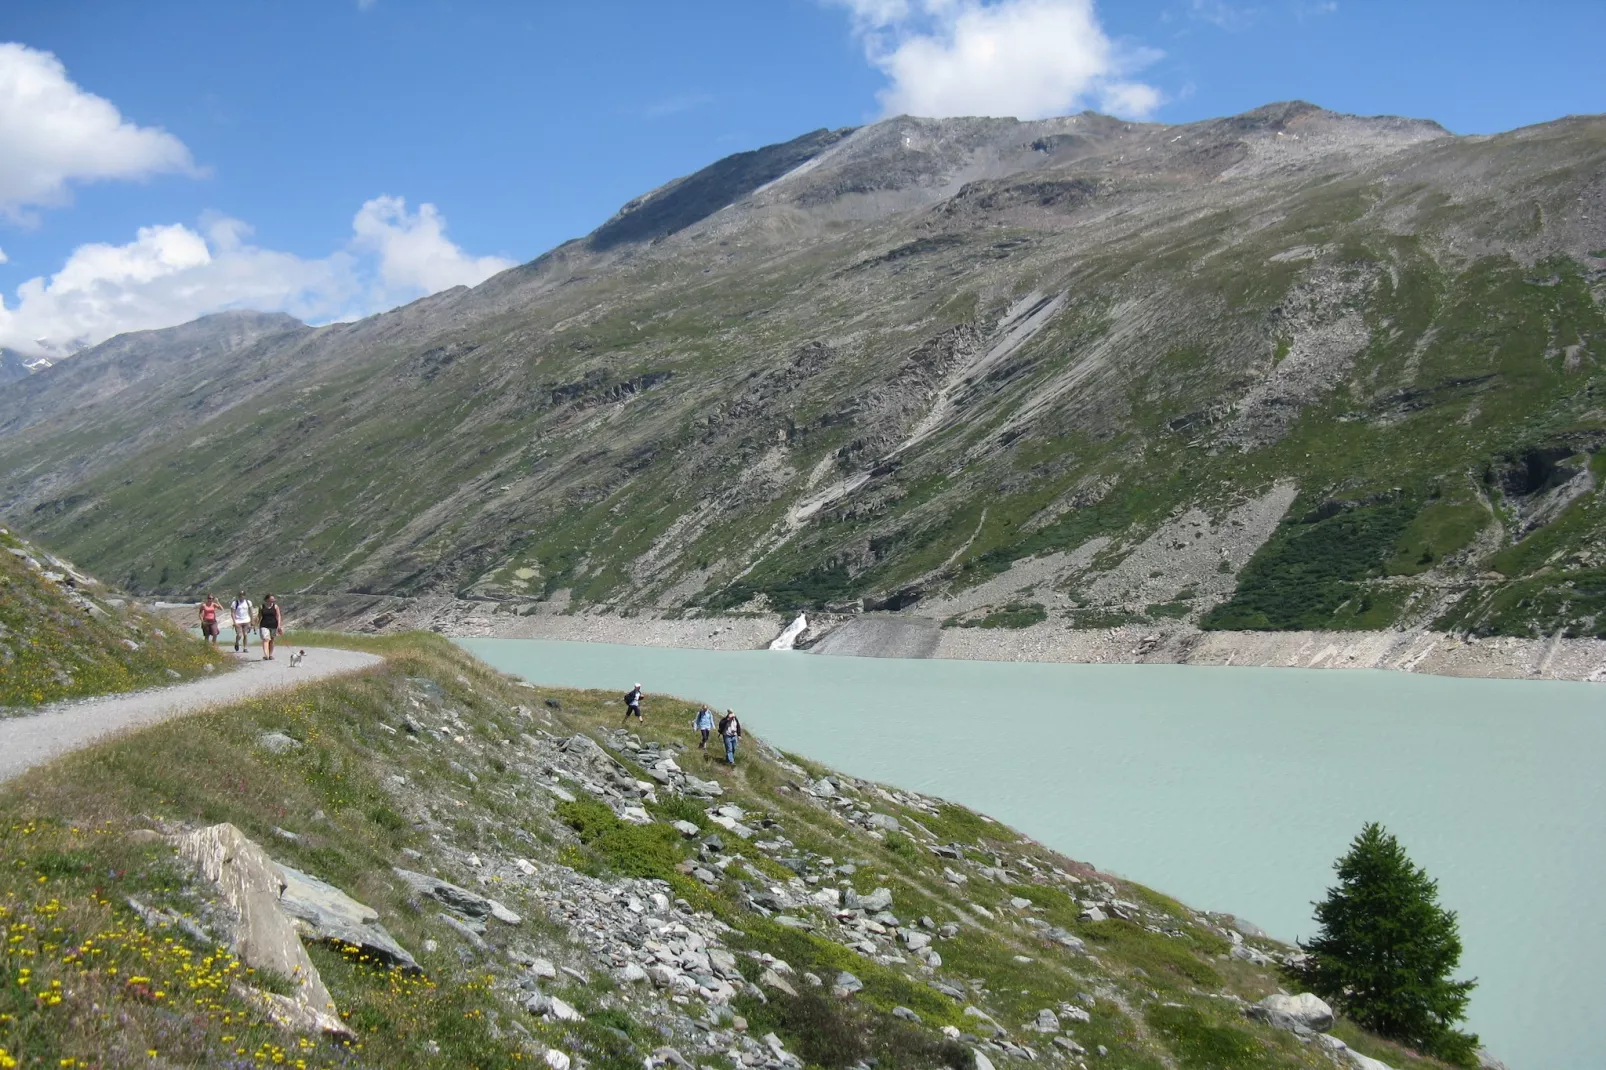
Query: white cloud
column 171, row 274
column 53, row 133
column 414, row 253
column 1023, row 58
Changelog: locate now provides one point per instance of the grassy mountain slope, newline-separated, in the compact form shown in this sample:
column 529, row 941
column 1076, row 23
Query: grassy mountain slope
column 437, row 764
column 63, row 635
column 934, row 352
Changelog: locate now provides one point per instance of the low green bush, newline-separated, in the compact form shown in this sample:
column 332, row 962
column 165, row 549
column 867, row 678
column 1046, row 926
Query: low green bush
column 618, row 846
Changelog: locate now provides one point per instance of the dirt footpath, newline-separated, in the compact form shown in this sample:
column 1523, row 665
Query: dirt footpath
column 55, row 730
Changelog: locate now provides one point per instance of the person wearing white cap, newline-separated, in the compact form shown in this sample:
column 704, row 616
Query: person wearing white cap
column 633, row 703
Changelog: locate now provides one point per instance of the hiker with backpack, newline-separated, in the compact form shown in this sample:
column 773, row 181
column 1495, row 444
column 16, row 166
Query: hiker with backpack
column 242, row 612
column 704, row 724
column 633, row 703
column 730, row 730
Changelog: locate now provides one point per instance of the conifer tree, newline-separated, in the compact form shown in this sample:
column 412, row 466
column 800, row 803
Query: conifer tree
column 1386, row 950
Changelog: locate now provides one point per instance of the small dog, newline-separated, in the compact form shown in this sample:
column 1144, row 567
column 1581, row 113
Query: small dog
column 295, row 659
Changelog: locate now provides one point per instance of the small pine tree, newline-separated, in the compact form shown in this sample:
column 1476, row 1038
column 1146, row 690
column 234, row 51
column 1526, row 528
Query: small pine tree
column 1386, row 950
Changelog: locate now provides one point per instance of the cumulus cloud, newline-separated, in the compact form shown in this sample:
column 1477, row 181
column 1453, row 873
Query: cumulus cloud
column 52, row 133
column 1023, row 58
column 413, row 251
column 172, row 273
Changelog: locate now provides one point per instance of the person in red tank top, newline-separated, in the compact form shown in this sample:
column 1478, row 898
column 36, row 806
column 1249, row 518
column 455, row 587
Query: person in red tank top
column 209, row 613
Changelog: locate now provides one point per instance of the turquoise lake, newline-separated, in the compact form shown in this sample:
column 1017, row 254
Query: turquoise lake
column 1231, row 789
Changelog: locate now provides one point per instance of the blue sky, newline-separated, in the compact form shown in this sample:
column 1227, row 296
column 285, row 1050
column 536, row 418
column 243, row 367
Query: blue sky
column 258, row 138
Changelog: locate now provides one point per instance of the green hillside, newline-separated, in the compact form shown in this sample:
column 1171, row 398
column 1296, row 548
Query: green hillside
column 849, row 921
column 63, row 635
column 935, row 351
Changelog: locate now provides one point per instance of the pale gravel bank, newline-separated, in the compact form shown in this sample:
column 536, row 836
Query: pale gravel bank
column 1435, row 653
column 36, row 738
column 1415, row 651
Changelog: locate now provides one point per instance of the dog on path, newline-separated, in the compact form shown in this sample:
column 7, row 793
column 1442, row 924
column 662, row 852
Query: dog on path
column 295, row 659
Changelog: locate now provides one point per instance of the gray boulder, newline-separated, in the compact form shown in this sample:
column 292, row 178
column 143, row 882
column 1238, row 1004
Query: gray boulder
column 1304, row 1011
column 323, row 912
column 874, row 903
column 277, row 743
column 458, row 899
column 1065, row 938
column 466, row 931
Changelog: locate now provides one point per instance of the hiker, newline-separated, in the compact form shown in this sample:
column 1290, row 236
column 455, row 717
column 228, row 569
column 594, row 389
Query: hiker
column 704, row 724
column 242, row 611
column 209, row 611
column 270, row 624
column 633, row 703
column 730, row 729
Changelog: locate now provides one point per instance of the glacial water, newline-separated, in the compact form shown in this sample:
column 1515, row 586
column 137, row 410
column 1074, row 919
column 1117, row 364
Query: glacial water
column 1231, row 789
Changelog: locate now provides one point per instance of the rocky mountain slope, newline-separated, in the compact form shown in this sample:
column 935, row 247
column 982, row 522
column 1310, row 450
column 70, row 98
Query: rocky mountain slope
column 1285, row 370
column 431, row 865
column 63, row 634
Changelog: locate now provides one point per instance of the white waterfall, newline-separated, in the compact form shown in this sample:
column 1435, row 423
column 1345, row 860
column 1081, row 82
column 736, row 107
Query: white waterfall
column 789, row 636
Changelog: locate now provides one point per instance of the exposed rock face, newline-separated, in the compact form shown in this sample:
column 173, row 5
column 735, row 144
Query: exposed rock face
column 263, row 935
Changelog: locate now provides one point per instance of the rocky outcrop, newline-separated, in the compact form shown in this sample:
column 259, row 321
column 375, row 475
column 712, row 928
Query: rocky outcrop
column 460, row 901
column 325, row 913
column 270, row 908
column 262, row 934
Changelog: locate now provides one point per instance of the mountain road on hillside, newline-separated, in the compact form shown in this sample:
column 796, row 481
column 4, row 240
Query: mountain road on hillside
column 67, row 726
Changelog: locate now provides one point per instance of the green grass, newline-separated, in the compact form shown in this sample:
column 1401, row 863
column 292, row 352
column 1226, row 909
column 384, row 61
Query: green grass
column 1202, row 1042
column 71, row 862
column 1013, row 615
column 620, row 847
column 53, row 649
column 1440, row 529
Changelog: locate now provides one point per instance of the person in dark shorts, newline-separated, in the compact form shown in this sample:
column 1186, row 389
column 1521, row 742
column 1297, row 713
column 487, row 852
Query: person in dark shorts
column 209, row 614
column 633, row 703
column 730, row 730
column 270, row 625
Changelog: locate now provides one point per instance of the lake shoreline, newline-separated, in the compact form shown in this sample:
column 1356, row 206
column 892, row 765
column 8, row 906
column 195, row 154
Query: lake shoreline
column 909, row 635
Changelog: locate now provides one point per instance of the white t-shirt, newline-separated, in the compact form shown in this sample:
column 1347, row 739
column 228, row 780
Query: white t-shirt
column 242, row 610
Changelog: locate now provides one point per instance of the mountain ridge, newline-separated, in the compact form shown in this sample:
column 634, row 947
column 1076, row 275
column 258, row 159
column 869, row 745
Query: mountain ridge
column 929, row 353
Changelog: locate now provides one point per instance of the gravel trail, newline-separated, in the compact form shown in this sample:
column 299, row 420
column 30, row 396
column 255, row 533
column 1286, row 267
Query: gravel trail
column 66, row 726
